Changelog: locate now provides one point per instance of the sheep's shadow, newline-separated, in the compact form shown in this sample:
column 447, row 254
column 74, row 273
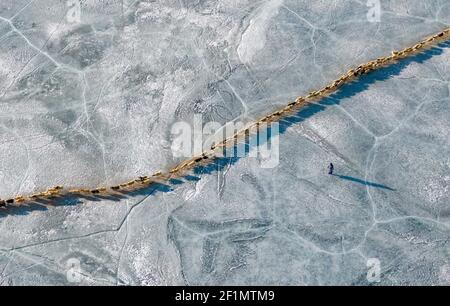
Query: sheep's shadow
column 219, row 163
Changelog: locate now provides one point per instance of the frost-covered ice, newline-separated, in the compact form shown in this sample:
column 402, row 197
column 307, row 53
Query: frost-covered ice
column 92, row 102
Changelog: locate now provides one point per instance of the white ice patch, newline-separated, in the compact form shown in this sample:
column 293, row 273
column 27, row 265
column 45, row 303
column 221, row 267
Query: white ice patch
column 254, row 38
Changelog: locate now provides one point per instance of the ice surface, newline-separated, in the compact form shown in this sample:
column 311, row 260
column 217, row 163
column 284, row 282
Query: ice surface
column 92, row 102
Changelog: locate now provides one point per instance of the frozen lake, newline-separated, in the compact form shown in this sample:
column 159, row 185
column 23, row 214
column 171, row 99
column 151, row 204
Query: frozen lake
column 89, row 92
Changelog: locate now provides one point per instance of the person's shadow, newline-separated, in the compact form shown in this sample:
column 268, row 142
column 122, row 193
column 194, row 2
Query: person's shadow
column 363, row 182
column 218, row 163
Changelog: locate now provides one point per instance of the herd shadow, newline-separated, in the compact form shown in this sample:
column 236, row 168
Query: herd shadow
column 219, row 163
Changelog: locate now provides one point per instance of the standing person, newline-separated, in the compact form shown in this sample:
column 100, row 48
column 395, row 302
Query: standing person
column 330, row 168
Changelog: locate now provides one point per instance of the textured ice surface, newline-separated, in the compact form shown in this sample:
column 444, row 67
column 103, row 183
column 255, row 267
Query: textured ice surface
column 92, row 102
